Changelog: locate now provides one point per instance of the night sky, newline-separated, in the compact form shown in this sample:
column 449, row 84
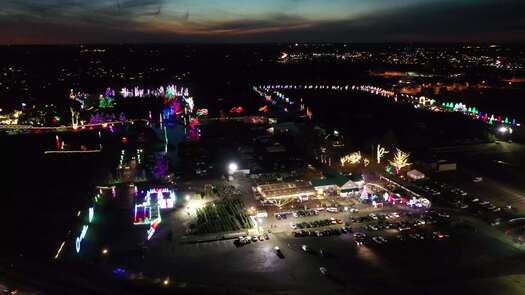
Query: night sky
column 137, row 21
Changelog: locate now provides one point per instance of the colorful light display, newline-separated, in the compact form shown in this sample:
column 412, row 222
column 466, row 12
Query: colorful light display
column 163, row 202
column 105, row 102
column 263, row 109
column 148, row 211
column 58, row 143
column 201, row 112
column 364, row 194
column 169, row 92
column 152, row 228
column 418, row 102
column 236, row 110
column 144, row 214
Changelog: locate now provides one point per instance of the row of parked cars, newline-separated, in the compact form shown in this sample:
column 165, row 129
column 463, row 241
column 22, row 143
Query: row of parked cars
column 244, row 240
column 401, row 222
column 305, row 213
column 362, row 239
column 323, row 233
column 316, row 223
column 461, row 199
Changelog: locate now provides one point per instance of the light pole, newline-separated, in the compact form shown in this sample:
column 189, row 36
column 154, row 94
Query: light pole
column 232, row 168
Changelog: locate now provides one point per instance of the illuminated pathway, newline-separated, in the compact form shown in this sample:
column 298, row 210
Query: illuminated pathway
column 272, row 95
column 70, row 128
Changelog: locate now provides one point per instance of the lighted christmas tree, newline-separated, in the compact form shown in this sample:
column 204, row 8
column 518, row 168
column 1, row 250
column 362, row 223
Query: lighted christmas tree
column 170, row 92
column 364, row 194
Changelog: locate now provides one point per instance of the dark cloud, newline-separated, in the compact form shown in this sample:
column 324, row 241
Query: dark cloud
column 268, row 23
column 445, row 21
column 70, row 21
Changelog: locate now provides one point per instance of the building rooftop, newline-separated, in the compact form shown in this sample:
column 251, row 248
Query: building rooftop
column 282, row 190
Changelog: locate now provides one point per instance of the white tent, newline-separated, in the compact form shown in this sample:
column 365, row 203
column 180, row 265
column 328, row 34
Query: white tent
column 415, row 174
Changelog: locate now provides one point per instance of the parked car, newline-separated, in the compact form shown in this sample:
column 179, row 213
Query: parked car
column 377, row 240
column 439, row 235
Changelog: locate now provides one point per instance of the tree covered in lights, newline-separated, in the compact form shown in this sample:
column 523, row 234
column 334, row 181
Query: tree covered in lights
column 400, row 160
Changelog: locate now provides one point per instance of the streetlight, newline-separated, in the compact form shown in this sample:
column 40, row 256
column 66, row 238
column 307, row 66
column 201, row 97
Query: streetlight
column 187, row 197
column 232, row 167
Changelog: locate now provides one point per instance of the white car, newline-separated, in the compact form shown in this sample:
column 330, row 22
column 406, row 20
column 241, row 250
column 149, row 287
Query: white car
column 478, row 179
column 323, row 270
column 373, row 227
column 293, row 225
column 377, row 240
column 305, row 248
column 420, row 222
column 373, row 216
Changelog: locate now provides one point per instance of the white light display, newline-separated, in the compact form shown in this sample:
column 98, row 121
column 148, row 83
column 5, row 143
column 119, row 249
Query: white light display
column 91, row 214
column 381, row 151
column 80, row 238
column 352, row 158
